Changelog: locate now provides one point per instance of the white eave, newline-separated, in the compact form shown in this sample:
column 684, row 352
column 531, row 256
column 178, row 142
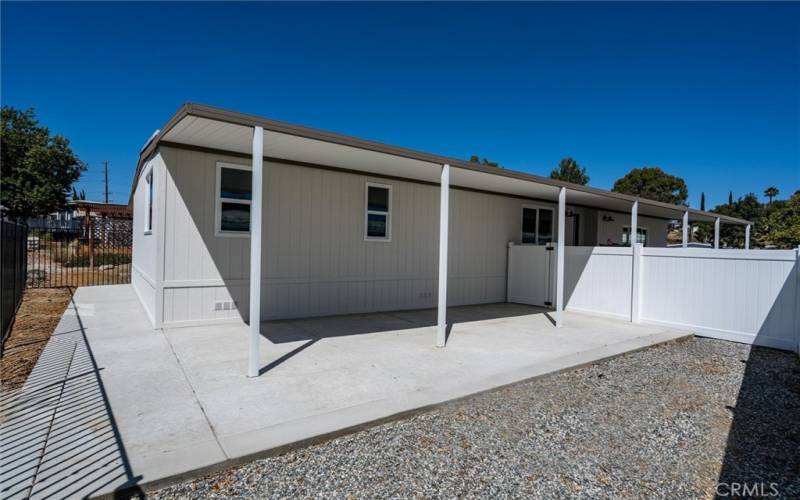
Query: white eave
column 219, row 130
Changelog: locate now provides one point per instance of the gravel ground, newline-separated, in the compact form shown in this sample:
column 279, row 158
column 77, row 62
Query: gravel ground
column 670, row 421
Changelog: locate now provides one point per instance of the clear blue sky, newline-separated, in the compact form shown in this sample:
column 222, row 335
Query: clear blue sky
column 709, row 92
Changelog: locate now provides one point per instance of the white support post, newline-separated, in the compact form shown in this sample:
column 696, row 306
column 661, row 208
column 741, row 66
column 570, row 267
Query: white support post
column 444, row 217
column 509, row 269
column 797, row 303
column 562, row 219
column 747, row 237
column 636, row 283
column 685, row 228
column 716, row 233
column 633, row 239
column 255, row 251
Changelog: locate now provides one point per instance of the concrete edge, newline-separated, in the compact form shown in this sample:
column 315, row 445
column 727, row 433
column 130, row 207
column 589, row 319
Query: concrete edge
column 171, row 480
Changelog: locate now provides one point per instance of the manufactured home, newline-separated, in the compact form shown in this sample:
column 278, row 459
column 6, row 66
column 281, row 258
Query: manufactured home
column 241, row 218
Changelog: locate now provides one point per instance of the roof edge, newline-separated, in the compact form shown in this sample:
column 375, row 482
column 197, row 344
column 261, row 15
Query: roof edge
column 238, row 118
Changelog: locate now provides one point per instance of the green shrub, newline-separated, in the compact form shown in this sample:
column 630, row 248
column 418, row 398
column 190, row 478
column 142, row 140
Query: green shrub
column 100, row 259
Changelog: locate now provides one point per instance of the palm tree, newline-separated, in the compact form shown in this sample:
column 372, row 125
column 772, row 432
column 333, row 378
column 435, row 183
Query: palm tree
column 771, row 192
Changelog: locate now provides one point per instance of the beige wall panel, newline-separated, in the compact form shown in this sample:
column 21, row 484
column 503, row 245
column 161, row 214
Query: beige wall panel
column 315, row 259
column 656, row 228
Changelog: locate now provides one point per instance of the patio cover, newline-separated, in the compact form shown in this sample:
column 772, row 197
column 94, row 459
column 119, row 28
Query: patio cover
column 216, row 130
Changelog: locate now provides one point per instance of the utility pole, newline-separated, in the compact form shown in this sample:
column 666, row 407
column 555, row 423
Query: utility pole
column 105, row 164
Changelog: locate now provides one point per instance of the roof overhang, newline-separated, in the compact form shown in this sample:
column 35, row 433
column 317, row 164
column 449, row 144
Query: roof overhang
column 208, row 128
column 112, row 209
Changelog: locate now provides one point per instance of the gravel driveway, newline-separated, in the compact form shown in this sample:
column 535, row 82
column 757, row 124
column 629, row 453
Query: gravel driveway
column 670, row 421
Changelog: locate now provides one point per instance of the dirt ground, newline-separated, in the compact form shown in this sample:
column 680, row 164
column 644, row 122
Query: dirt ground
column 45, row 272
column 38, row 315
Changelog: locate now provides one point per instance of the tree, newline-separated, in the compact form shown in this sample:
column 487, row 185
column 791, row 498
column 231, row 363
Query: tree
column 38, row 169
column 76, row 196
column 653, row 183
column 771, row 192
column 700, row 231
column 730, row 197
column 568, row 170
column 748, row 208
column 475, row 159
column 780, row 225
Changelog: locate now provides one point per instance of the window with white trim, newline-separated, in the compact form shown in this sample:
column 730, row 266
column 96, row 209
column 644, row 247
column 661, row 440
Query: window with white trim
column 641, row 235
column 148, row 215
column 377, row 216
column 537, row 225
column 234, row 196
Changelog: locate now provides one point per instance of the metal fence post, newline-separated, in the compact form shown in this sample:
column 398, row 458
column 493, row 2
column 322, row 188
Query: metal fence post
column 13, row 238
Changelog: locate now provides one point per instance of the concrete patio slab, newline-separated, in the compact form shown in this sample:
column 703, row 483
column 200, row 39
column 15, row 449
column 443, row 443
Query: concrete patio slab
column 118, row 404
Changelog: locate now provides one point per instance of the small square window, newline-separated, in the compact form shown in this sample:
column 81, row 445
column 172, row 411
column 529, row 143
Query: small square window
column 641, row 236
column 234, row 217
column 377, row 199
column 376, row 225
column 235, row 184
column 378, row 220
column 234, row 195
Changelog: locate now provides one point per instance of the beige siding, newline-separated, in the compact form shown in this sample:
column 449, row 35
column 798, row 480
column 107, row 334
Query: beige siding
column 144, row 258
column 656, row 228
column 316, row 261
column 146, row 292
column 191, row 251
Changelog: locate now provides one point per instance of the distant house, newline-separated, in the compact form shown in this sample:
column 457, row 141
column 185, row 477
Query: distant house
column 82, row 217
column 82, row 208
column 73, row 217
column 64, row 220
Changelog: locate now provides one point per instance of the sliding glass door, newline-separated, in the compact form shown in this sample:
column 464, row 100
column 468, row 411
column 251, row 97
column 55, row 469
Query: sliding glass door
column 537, row 225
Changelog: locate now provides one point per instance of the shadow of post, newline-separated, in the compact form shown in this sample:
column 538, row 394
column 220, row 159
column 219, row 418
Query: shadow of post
column 309, row 331
column 59, row 435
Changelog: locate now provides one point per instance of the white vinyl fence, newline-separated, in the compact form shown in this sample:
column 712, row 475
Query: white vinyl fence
column 597, row 280
column 750, row 296
column 743, row 295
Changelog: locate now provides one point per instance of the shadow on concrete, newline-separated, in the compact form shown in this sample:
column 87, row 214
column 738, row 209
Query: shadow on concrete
column 287, row 356
column 312, row 330
column 763, row 449
column 59, row 435
column 294, row 330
